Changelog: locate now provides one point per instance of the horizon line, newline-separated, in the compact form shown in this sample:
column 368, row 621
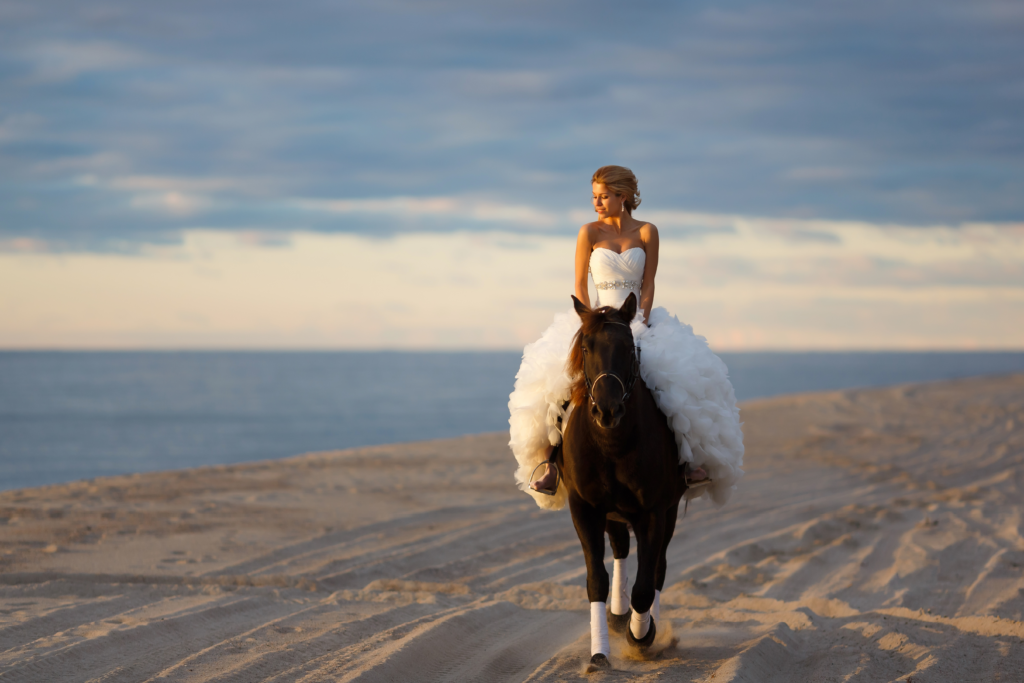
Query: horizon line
column 170, row 349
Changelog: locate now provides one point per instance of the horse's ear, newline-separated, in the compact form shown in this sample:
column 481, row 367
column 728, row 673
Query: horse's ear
column 581, row 308
column 628, row 309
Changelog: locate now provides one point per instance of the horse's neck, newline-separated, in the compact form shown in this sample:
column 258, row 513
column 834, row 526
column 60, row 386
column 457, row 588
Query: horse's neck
column 639, row 421
column 637, row 460
column 616, row 443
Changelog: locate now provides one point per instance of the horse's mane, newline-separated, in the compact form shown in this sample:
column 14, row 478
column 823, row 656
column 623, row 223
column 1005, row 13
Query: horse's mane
column 592, row 323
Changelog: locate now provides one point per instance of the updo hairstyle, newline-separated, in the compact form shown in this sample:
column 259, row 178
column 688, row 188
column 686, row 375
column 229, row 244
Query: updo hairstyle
column 621, row 181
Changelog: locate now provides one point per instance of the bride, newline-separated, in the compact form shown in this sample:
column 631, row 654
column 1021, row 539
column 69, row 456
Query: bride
column 690, row 383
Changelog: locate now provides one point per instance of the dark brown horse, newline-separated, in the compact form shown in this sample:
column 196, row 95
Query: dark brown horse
column 620, row 463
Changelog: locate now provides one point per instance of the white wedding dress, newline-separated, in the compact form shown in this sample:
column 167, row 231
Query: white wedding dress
column 690, row 385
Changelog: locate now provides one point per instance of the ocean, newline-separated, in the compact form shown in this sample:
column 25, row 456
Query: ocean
column 76, row 415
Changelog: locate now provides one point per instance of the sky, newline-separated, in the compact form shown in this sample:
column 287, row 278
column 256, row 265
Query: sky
column 396, row 174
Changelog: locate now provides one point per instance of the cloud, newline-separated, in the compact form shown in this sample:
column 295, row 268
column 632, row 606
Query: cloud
column 823, row 174
column 56, row 61
column 248, row 116
column 751, row 288
column 172, row 203
column 24, row 245
column 166, row 183
column 459, row 210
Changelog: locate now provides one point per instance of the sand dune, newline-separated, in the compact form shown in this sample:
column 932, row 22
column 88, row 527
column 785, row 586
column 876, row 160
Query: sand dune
column 877, row 536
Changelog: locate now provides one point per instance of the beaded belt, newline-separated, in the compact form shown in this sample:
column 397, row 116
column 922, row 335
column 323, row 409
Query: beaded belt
column 618, row 284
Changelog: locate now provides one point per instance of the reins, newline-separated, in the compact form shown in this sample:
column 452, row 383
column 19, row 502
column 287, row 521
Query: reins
column 634, row 371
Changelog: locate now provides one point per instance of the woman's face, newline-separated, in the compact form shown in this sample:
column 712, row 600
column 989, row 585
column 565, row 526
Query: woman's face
column 606, row 204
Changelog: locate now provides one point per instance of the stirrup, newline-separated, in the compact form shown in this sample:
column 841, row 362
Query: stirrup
column 558, row 478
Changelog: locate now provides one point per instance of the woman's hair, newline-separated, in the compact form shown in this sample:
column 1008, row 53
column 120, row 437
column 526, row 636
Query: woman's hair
column 621, row 181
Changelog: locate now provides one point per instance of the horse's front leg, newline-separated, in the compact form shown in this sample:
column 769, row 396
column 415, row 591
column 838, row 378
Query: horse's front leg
column 589, row 523
column 659, row 572
column 618, row 535
column 649, row 530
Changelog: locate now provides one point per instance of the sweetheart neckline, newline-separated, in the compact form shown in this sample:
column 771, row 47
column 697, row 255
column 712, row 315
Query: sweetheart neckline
column 619, row 253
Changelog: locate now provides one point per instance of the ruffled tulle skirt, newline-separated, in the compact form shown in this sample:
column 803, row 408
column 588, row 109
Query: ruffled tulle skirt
column 689, row 382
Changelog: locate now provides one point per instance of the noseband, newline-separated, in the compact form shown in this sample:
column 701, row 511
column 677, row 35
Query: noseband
column 634, row 371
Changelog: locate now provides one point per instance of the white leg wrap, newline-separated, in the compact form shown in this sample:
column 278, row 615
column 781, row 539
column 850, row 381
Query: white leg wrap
column 639, row 624
column 598, row 630
column 620, row 583
column 656, row 607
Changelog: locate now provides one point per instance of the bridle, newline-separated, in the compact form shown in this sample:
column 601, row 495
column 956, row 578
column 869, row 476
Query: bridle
column 634, row 371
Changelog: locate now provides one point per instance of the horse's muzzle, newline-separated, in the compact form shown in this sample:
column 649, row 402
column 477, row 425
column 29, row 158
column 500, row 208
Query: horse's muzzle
column 608, row 417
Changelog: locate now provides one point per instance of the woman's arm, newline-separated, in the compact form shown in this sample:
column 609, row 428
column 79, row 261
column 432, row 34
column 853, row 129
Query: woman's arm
column 584, row 246
column 649, row 236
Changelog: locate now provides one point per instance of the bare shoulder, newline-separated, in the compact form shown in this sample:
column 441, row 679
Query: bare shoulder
column 589, row 232
column 648, row 232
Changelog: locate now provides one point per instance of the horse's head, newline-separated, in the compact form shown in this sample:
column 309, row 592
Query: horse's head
column 604, row 360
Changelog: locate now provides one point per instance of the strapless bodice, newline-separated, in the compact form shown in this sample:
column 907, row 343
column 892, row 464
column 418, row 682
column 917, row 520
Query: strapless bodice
column 616, row 275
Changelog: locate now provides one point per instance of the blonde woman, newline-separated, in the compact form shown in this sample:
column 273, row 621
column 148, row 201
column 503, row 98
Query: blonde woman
column 690, row 383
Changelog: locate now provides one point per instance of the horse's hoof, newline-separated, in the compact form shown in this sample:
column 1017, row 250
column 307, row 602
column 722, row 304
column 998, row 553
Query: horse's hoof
column 600, row 661
column 618, row 623
column 643, row 643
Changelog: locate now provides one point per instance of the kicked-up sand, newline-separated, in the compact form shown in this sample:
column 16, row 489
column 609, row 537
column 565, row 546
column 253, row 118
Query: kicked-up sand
column 877, row 536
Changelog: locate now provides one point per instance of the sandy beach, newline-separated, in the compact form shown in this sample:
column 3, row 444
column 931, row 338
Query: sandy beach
column 878, row 536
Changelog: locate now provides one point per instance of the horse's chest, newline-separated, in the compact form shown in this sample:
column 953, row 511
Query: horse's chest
column 628, row 473
column 623, row 484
